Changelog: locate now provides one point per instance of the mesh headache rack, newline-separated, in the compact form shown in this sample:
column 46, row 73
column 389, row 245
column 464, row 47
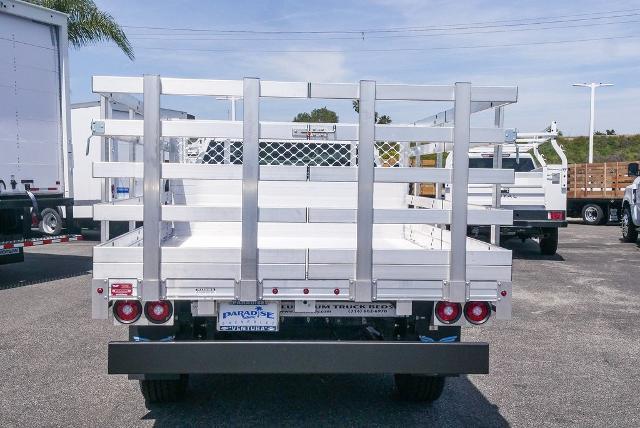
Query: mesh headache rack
column 254, row 210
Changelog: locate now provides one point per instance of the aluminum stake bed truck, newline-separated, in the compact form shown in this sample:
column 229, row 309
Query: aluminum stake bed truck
column 35, row 152
column 304, row 255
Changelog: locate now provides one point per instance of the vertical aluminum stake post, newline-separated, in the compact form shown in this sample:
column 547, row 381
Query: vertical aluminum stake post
column 363, row 291
column 459, row 193
column 132, row 158
column 497, row 188
column 151, row 285
column 247, row 287
column 105, row 156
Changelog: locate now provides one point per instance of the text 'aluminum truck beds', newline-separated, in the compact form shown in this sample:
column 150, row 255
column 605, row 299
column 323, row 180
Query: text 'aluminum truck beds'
column 277, row 222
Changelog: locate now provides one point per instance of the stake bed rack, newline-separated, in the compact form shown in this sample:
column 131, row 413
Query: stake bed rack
column 298, row 232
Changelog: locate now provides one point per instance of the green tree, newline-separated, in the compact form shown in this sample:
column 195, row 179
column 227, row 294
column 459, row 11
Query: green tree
column 88, row 24
column 380, row 120
column 317, row 115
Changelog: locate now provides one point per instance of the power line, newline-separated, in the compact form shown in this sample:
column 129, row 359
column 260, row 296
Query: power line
column 444, row 27
column 506, row 30
column 549, row 42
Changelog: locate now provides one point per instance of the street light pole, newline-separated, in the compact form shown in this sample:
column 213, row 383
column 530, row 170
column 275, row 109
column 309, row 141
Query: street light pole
column 593, row 87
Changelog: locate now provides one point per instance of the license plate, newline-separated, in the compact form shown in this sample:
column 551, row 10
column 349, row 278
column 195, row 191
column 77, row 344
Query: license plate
column 248, row 317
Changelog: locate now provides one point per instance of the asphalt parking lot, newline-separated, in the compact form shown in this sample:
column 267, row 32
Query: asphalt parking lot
column 569, row 356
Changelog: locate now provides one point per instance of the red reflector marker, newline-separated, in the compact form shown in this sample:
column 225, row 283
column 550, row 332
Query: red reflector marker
column 556, row 215
column 448, row 312
column 127, row 311
column 477, row 312
column 158, row 312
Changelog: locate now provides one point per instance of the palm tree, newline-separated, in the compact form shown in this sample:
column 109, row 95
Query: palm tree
column 88, row 24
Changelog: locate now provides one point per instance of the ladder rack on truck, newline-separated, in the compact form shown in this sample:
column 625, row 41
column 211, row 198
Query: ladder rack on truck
column 596, row 190
column 257, row 260
column 538, row 195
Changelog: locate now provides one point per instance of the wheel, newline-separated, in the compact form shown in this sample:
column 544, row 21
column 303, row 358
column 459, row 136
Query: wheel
column 51, row 223
column 593, row 214
column 629, row 231
column 549, row 241
column 164, row 390
column 424, row 388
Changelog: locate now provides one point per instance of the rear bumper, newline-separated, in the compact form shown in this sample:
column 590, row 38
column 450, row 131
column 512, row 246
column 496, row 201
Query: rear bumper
column 535, row 218
column 297, row 357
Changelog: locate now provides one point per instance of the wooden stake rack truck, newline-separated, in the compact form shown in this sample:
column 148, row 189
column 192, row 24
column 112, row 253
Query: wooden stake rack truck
column 302, row 256
column 595, row 191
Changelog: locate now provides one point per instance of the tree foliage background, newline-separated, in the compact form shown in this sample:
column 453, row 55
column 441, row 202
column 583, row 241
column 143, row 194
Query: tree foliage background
column 318, row 115
column 88, row 24
column 606, row 148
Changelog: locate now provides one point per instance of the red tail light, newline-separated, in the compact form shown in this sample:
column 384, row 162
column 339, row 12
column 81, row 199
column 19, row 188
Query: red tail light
column 158, row 312
column 477, row 312
column 448, row 312
column 556, row 215
column 127, row 311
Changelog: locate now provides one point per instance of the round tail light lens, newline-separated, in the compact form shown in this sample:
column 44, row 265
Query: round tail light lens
column 477, row 312
column 158, row 312
column 448, row 312
column 127, row 311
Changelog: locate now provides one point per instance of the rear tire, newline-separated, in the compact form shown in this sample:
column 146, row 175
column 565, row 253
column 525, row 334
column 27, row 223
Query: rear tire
column 549, row 241
column 51, row 223
column 593, row 214
column 164, row 390
column 629, row 231
column 422, row 388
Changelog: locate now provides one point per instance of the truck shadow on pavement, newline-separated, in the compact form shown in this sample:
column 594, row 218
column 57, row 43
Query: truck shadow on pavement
column 320, row 400
column 43, row 267
column 528, row 250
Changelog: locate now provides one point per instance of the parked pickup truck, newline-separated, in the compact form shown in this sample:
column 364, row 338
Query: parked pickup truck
column 631, row 206
column 291, row 248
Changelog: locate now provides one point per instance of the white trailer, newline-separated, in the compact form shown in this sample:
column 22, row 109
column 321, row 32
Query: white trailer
column 35, row 151
column 289, row 249
column 88, row 190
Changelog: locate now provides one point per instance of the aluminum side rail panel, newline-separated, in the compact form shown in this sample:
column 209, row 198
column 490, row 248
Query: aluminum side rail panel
column 297, row 357
column 411, row 272
column 187, row 213
column 299, row 173
column 199, row 171
column 233, row 88
column 284, row 131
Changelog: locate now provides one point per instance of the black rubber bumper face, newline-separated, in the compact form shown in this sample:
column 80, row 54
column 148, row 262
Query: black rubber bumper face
column 297, row 357
column 535, row 218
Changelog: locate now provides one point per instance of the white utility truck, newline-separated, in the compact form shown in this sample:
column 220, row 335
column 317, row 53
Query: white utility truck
column 88, row 190
column 537, row 197
column 631, row 206
column 36, row 186
column 288, row 248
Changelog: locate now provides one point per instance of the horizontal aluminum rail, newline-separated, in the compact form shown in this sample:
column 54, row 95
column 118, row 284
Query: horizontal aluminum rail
column 271, row 89
column 301, row 173
column 286, row 130
column 189, row 213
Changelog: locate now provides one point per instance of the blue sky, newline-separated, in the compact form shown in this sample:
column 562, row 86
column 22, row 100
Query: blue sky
column 542, row 68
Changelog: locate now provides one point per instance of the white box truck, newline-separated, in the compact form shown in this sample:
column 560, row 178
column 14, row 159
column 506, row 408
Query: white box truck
column 290, row 248
column 36, row 185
